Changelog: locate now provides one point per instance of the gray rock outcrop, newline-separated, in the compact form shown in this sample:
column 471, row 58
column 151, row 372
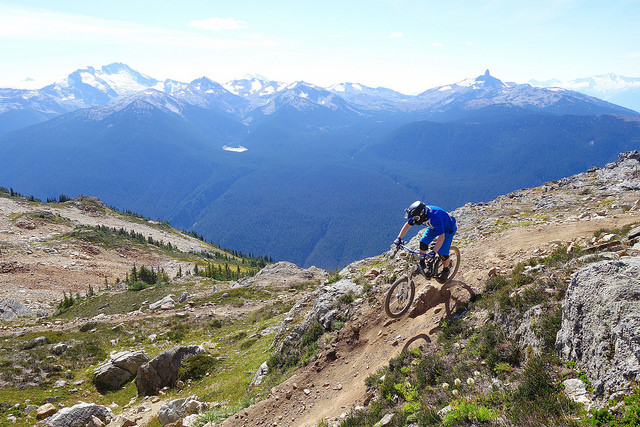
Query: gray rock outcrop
column 282, row 275
column 323, row 311
column 600, row 329
column 10, row 309
column 525, row 335
column 262, row 372
column 177, row 409
column 576, row 390
column 79, row 415
column 162, row 370
column 119, row 369
column 158, row 304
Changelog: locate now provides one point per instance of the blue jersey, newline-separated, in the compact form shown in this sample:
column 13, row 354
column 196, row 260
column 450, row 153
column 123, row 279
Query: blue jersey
column 438, row 220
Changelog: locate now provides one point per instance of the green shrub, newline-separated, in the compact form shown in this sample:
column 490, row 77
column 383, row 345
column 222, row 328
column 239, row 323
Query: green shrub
column 197, row 366
column 177, row 332
column 298, row 353
column 491, row 343
column 248, row 343
column 451, row 329
column 138, row 286
column 631, row 411
column 467, row 412
column 548, row 326
column 334, row 276
column 429, row 369
column 496, row 282
column 347, row 298
column 538, row 398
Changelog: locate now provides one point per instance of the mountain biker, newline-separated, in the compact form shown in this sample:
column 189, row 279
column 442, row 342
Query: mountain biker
column 441, row 225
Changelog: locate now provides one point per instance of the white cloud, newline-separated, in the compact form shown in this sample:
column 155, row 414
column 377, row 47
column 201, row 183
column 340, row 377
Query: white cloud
column 33, row 24
column 396, row 35
column 216, row 24
column 468, row 43
column 436, row 44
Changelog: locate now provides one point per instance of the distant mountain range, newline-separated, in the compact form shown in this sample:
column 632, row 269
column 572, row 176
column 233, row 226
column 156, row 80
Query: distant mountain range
column 621, row 90
column 317, row 176
column 252, row 98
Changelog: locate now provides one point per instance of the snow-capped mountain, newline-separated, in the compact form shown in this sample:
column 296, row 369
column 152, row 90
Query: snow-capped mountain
column 610, row 87
column 143, row 100
column 89, row 87
column 487, row 91
column 379, row 98
column 303, row 96
column 206, row 93
column 254, row 87
column 253, row 97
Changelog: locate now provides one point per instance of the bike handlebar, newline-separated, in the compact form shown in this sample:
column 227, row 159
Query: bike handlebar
column 406, row 248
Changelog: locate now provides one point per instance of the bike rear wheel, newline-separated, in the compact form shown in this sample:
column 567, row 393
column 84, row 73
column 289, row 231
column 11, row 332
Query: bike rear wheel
column 454, row 264
column 399, row 297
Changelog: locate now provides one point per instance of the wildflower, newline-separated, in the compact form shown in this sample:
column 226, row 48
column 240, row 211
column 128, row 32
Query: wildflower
column 457, row 382
column 476, row 373
column 454, row 392
column 445, row 386
column 470, row 381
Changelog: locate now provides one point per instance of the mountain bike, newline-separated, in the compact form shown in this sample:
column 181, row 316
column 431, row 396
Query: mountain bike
column 403, row 290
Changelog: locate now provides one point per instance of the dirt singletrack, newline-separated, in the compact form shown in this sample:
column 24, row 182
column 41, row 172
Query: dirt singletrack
column 334, row 384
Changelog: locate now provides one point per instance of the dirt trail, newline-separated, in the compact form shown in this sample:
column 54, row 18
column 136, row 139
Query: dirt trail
column 334, row 384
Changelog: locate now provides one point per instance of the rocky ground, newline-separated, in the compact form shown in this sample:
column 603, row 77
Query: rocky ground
column 39, row 261
column 35, row 267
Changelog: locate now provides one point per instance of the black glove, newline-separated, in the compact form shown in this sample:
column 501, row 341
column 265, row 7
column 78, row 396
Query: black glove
column 398, row 242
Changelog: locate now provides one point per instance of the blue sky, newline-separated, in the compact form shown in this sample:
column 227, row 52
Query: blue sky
column 406, row 45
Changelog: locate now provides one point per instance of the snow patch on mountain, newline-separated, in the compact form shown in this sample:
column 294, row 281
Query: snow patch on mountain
column 238, row 149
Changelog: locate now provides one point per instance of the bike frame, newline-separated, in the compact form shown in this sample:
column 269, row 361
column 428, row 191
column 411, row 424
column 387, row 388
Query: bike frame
column 415, row 256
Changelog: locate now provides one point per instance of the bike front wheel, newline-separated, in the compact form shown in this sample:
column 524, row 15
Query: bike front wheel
column 399, row 297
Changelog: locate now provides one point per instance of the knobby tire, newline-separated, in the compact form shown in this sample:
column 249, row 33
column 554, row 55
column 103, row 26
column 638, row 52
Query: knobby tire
column 391, row 301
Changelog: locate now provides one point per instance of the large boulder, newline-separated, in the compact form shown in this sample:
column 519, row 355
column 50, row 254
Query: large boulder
column 323, row 311
column 119, row 369
column 168, row 300
column 283, row 275
column 10, row 309
column 162, row 370
column 79, row 415
column 600, row 329
column 177, row 409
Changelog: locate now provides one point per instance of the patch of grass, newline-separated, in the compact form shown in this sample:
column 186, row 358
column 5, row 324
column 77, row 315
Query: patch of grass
column 492, row 344
column 177, row 332
column 300, row 352
column 248, row 343
column 548, row 326
column 269, row 311
column 334, row 276
column 537, row 399
column 468, row 413
column 496, row 283
column 197, row 366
